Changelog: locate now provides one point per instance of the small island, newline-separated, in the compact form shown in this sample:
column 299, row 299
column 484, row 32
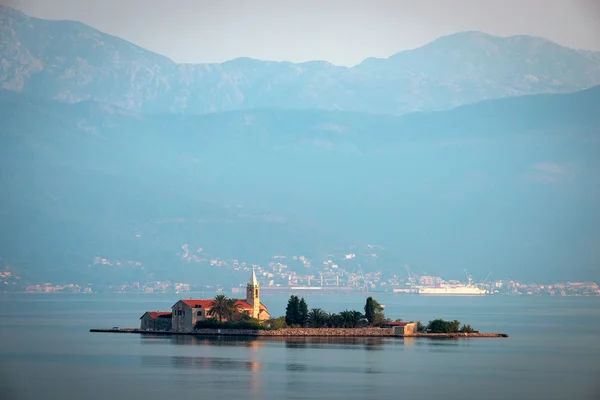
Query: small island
column 249, row 317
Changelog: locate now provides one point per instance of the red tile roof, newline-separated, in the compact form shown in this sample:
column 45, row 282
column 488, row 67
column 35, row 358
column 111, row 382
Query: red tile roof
column 204, row 303
column 207, row 303
column 243, row 304
column 156, row 314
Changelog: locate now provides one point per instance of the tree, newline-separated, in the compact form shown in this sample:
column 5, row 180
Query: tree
column 454, row 326
column 373, row 311
column 292, row 311
column 351, row 319
column 438, row 326
column 466, row 329
column 222, row 307
column 441, row 326
column 302, row 313
column 317, row 318
column 335, row 321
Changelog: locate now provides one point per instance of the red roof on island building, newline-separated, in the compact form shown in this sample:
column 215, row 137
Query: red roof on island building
column 207, row 303
column 156, row 314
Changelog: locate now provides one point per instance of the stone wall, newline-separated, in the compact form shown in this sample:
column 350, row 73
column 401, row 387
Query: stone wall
column 410, row 329
column 146, row 323
column 458, row 335
column 228, row 332
column 350, row 332
column 347, row 332
column 181, row 317
column 406, row 330
column 163, row 324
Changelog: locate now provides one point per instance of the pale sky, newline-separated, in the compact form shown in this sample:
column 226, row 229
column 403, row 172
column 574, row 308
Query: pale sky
column 341, row 32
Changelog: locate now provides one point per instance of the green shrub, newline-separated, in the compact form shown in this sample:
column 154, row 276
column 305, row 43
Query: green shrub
column 441, row 326
column 212, row 323
column 276, row 323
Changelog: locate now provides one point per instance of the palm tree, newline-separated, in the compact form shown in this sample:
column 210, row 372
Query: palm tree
column 352, row 319
column 317, row 318
column 223, row 307
column 335, row 321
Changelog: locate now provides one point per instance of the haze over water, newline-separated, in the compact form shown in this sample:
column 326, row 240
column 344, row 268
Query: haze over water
column 552, row 352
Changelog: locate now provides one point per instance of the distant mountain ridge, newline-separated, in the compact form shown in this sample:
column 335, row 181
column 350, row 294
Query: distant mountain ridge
column 71, row 62
column 507, row 185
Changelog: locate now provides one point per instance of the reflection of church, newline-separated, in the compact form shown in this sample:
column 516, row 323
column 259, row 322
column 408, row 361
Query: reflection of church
column 185, row 313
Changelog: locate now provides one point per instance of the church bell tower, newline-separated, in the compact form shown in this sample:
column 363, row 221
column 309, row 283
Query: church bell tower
column 253, row 295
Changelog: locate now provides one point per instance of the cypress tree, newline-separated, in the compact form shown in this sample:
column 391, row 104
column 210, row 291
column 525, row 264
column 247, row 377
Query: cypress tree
column 292, row 311
column 303, row 313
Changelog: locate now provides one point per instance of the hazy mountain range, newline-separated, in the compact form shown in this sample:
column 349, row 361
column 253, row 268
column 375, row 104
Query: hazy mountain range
column 508, row 185
column 96, row 158
column 71, row 62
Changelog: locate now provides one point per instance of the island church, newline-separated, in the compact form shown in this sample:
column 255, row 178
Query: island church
column 185, row 313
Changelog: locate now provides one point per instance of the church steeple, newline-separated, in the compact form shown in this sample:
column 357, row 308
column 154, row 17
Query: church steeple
column 253, row 294
column 253, row 280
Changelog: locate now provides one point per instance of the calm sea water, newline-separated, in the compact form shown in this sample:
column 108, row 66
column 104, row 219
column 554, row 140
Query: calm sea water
column 553, row 352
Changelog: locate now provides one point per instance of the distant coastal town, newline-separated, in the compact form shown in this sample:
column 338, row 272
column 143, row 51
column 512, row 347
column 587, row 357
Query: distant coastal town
column 490, row 288
column 359, row 270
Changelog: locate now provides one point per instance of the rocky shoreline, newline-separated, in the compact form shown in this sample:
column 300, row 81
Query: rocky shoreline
column 308, row 332
column 458, row 335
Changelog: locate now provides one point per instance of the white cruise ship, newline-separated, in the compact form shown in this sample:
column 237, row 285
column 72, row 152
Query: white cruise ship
column 444, row 289
column 451, row 291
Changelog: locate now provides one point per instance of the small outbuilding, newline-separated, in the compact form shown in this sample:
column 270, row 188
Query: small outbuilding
column 402, row 328
column 156, row 321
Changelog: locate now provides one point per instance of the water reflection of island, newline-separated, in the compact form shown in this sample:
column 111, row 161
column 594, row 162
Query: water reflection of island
column 212, row 363
column 228, row 341
column 215, row 363
column 291, row 342
column 248, row 369
column 367, row 343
